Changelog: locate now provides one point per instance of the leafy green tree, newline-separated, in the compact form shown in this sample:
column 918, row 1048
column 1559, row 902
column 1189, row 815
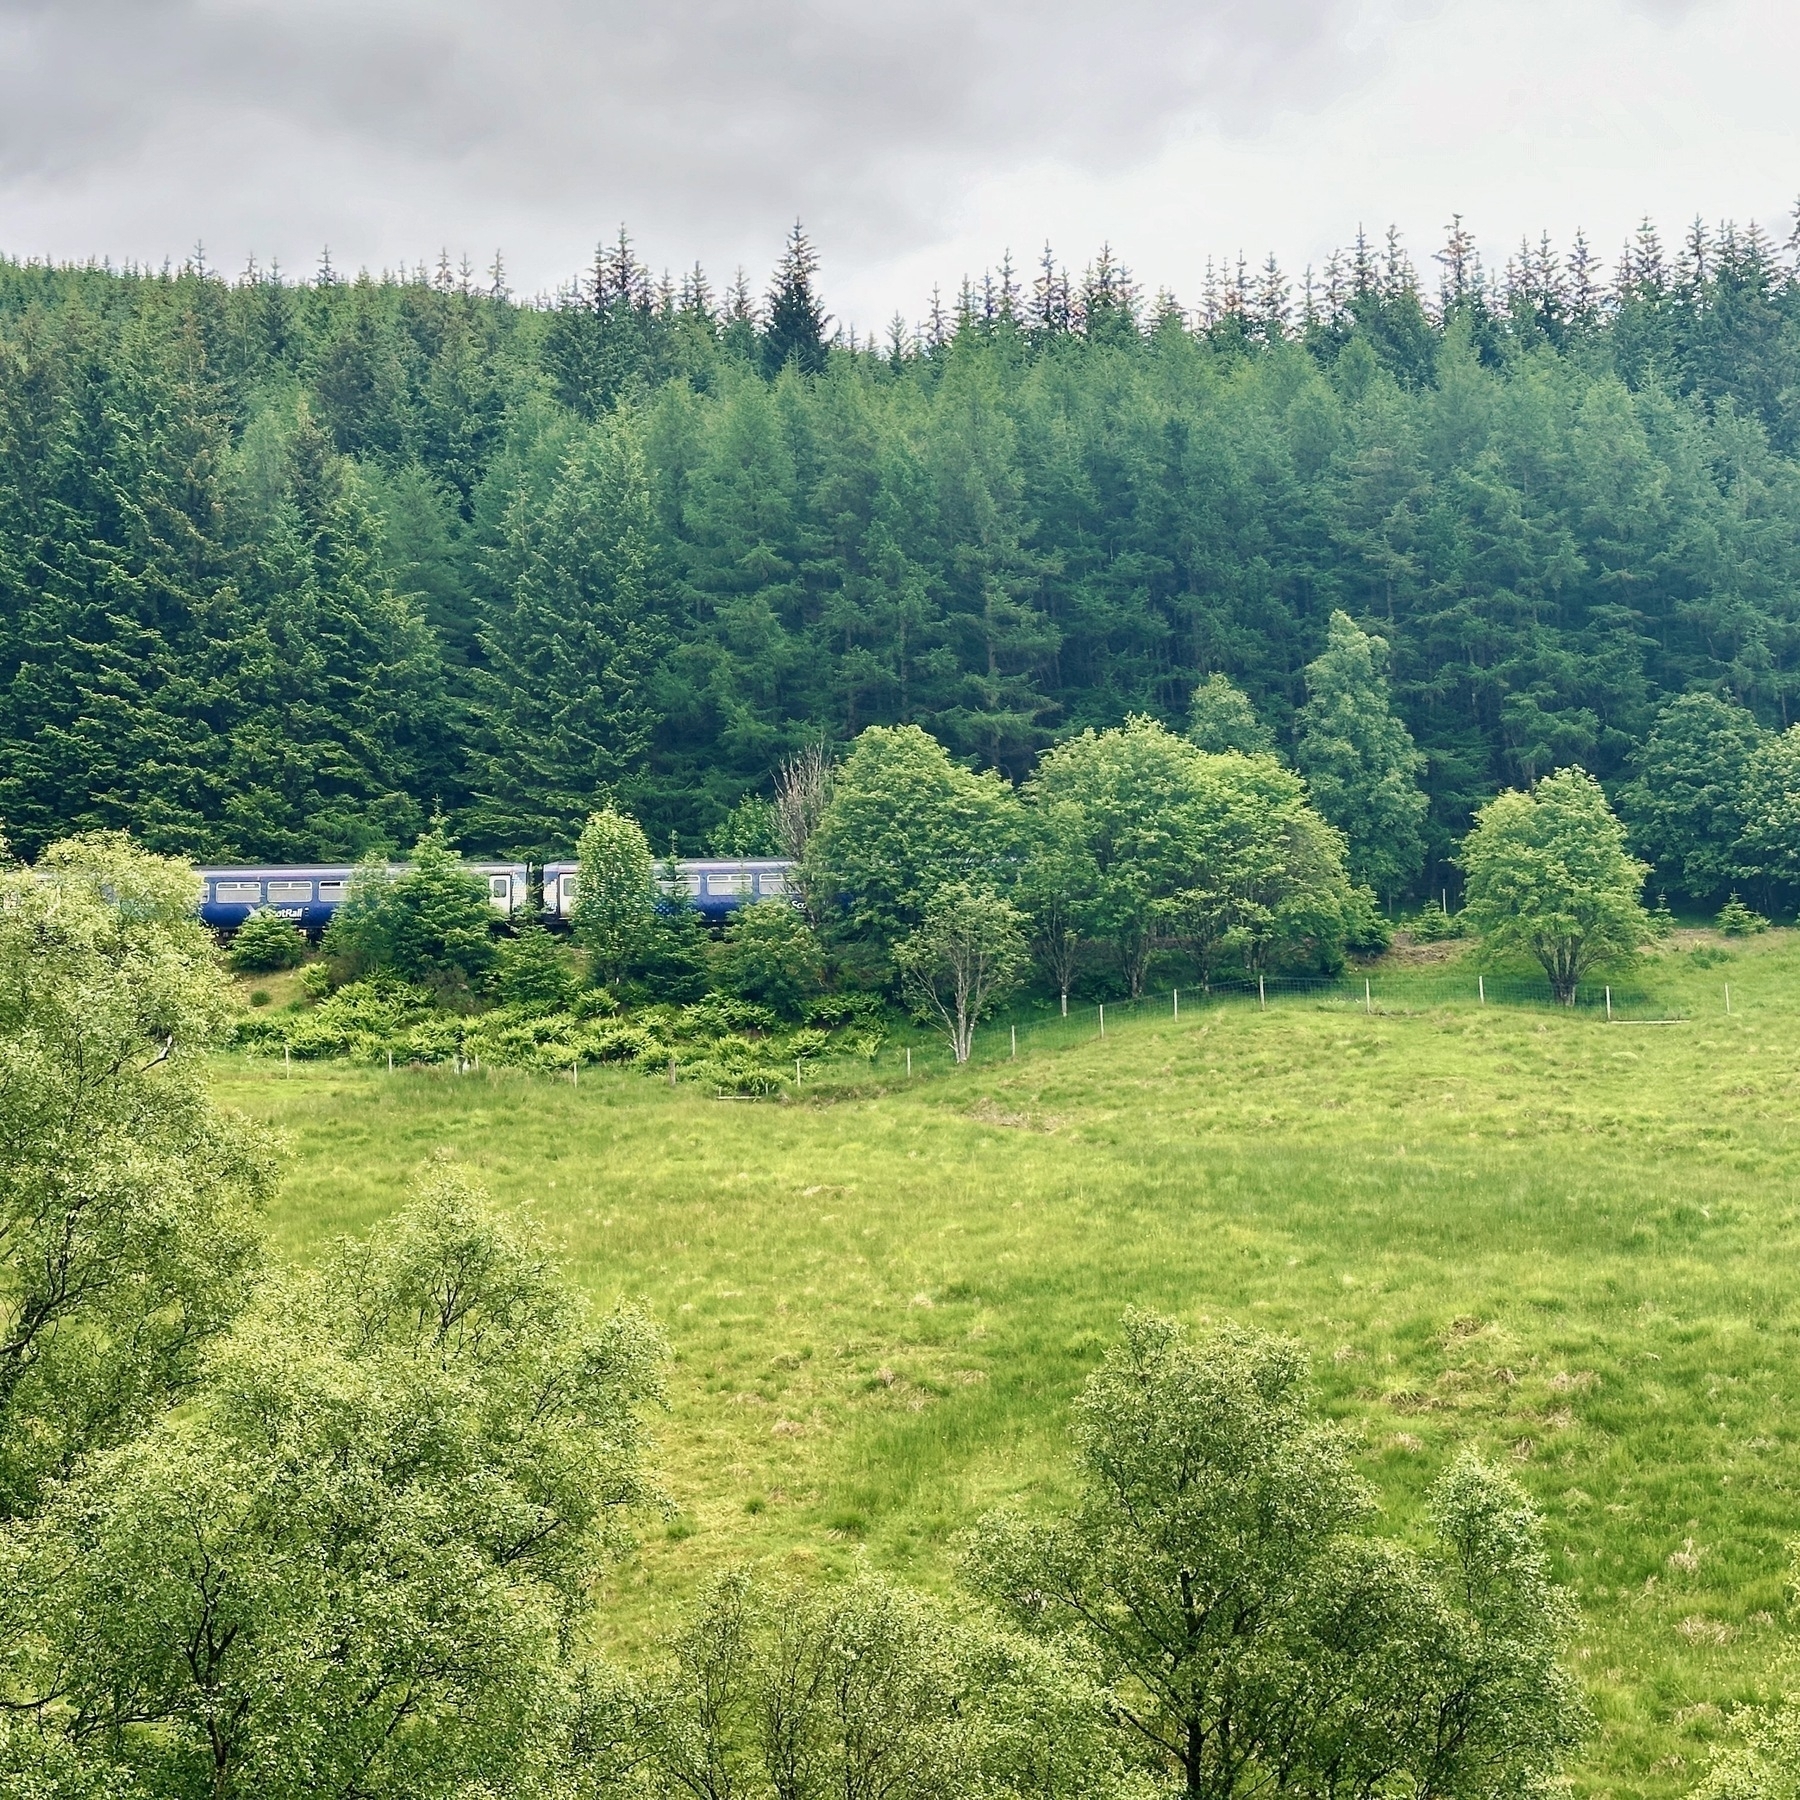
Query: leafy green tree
column 772, row 956
column 127, row 1200
column 1215, row 855
column 1547, row 874
column 1058, row 887
column 266, row 941
column 967, row 955
column 1769, row 851
column 1685, row 805
column 782, row 1690
column 615, row 898
column 1359, row 759
column 904, row 821
column 751, row 829
column 1221, row 718
column 565, row 705
column 1253, row 1638
column 354, row 1563
column 1737, row 920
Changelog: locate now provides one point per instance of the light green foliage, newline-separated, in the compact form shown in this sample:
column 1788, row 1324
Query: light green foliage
column 1359, row 760
column 1059, row 885
column 787, row 1692
column 351, row 1566
column 1547, row 874
column 1685, row 804
column 1764, row 1763
column 1770, row 849
column 616, row 894
column 430, row 923
column 1737, row 920
column 1510, row 1228
column 751, row 828
column 902, row 822
column 966, row 957
column 265, row 942
column 532, row 969
column 771, row 955
column 1221, row 718
column 1214, row 855
column 126, row 1198
column 1254, row 1640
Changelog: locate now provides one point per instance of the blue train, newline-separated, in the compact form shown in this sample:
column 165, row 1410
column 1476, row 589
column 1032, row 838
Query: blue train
column 309, row 896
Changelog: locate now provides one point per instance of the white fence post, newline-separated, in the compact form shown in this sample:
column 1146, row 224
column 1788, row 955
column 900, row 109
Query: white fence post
column 1177, row 993
column 1103, row 1018
column 1262, row 998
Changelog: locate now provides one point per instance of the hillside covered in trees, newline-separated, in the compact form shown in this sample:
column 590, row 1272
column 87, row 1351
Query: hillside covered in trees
column 285, row 568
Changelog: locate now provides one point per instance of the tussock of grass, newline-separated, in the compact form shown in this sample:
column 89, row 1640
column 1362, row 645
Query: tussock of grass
column 1570, row 1244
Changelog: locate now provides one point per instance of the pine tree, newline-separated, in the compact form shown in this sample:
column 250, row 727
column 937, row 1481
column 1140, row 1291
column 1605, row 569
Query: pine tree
column 564, row 709
column 795, row 330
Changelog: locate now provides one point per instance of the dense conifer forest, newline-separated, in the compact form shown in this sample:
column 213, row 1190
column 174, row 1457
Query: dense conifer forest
column 288, row 567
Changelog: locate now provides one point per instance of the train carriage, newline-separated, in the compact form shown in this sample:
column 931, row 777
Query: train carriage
column 308, row 896
column 715, row 886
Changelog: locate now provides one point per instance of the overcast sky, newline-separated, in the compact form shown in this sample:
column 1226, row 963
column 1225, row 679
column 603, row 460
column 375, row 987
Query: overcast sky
column 917, row 138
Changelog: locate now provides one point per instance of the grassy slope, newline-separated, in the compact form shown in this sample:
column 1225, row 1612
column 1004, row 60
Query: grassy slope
column 1570, row 1244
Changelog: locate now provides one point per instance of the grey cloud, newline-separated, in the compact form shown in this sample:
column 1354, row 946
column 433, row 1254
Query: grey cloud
column 696, row 117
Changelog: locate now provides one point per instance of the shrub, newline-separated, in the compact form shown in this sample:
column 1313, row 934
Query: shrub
column 266, row 942
column 315, row 981
column 835, row 1010
column 1737, row 920
column 771, row 955
column 532, row 969
column 259, row 996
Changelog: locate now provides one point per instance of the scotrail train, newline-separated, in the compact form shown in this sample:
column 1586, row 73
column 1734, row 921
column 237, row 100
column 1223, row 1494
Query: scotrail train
column 309, row 896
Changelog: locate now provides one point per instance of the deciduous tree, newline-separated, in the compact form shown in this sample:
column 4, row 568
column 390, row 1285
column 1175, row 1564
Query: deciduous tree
column 1547, row 874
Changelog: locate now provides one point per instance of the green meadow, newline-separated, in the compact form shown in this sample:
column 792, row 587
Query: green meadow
column 1568, row 1242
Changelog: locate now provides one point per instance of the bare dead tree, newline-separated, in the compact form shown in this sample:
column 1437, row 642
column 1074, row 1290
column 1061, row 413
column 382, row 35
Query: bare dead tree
column 802, row 790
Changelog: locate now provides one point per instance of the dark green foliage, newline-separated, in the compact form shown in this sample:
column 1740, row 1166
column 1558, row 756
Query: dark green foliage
column 532, row 969
column 1737, row 920
column 795, row 328
column 564, row 706
column 264, row 942
column 285, row 570
column 432, row 922
column 770, row 954
column 672, row 959
column 1686, row 803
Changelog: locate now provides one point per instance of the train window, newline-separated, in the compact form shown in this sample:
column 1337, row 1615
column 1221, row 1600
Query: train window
column 290, row 890
column 693, row 881
column 235, row 893
column 771, row 882
column 734, row 883
column 499, row 887
column 332, row 890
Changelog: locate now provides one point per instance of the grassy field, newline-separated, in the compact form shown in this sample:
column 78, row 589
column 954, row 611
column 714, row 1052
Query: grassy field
column 1570, row 1243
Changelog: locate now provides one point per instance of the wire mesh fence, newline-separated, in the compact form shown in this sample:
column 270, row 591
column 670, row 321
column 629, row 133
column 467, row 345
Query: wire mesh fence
column 1392, row 994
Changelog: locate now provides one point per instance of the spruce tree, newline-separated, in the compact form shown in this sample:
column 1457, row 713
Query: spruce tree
column 795, row 330
column 1359, row 759
column 564, row 708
